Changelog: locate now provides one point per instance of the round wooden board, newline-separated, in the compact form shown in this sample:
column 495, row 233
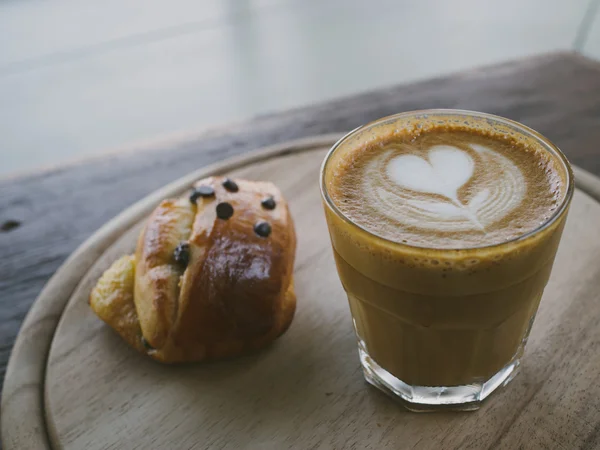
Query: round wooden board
column 89, row 390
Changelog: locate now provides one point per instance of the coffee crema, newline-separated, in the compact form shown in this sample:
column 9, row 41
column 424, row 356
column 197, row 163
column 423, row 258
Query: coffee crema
column 448, row 186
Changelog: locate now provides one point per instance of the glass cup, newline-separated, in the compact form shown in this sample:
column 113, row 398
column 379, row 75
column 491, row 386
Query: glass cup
column 441, row 328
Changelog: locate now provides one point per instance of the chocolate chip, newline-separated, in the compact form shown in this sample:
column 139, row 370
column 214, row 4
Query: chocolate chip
column 182, row 254
column 263, row 229
column 224, row 210
column 10, row 225
column 268, row 203
column 230, row 185
column 146, row 344
column 201, row 191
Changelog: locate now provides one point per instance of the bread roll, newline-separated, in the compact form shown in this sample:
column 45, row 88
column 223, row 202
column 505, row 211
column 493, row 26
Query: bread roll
column 211, row 276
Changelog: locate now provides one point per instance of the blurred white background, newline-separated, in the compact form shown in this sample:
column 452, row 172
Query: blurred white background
column 81, row 77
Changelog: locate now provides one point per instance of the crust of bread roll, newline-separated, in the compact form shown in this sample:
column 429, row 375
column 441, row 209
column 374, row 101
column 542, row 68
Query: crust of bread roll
column 234, row 295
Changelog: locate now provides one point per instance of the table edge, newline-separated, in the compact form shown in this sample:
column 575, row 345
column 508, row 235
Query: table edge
column 156, row 143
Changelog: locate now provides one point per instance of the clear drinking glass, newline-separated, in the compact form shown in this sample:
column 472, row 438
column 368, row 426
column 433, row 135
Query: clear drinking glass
column 444, row 334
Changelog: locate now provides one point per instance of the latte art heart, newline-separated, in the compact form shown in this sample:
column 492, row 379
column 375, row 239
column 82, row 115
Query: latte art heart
column 424, row 193
column 445, row 171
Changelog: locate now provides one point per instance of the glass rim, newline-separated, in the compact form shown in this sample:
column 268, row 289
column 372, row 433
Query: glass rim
column 523, row 129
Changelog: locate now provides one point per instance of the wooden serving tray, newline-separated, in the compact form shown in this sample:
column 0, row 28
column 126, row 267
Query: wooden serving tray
column 72, row 383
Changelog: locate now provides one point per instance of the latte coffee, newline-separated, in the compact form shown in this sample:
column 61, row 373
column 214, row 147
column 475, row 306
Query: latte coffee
column 444, row 227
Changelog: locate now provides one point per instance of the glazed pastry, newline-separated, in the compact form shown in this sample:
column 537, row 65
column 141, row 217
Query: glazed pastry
column 211, row 276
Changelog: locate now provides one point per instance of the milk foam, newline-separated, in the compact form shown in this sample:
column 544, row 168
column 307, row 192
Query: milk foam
column 422, row 192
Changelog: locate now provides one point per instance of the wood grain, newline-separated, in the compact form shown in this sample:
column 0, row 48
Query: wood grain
column 307, row 390
column 559, row 95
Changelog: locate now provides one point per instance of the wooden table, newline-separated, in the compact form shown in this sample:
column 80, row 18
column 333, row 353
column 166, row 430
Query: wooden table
column 45, row 216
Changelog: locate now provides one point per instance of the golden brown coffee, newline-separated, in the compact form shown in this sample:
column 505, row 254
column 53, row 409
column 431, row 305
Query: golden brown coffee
column 444, row 261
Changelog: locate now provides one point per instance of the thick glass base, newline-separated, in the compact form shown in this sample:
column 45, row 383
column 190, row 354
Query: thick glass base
column 434, row 398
